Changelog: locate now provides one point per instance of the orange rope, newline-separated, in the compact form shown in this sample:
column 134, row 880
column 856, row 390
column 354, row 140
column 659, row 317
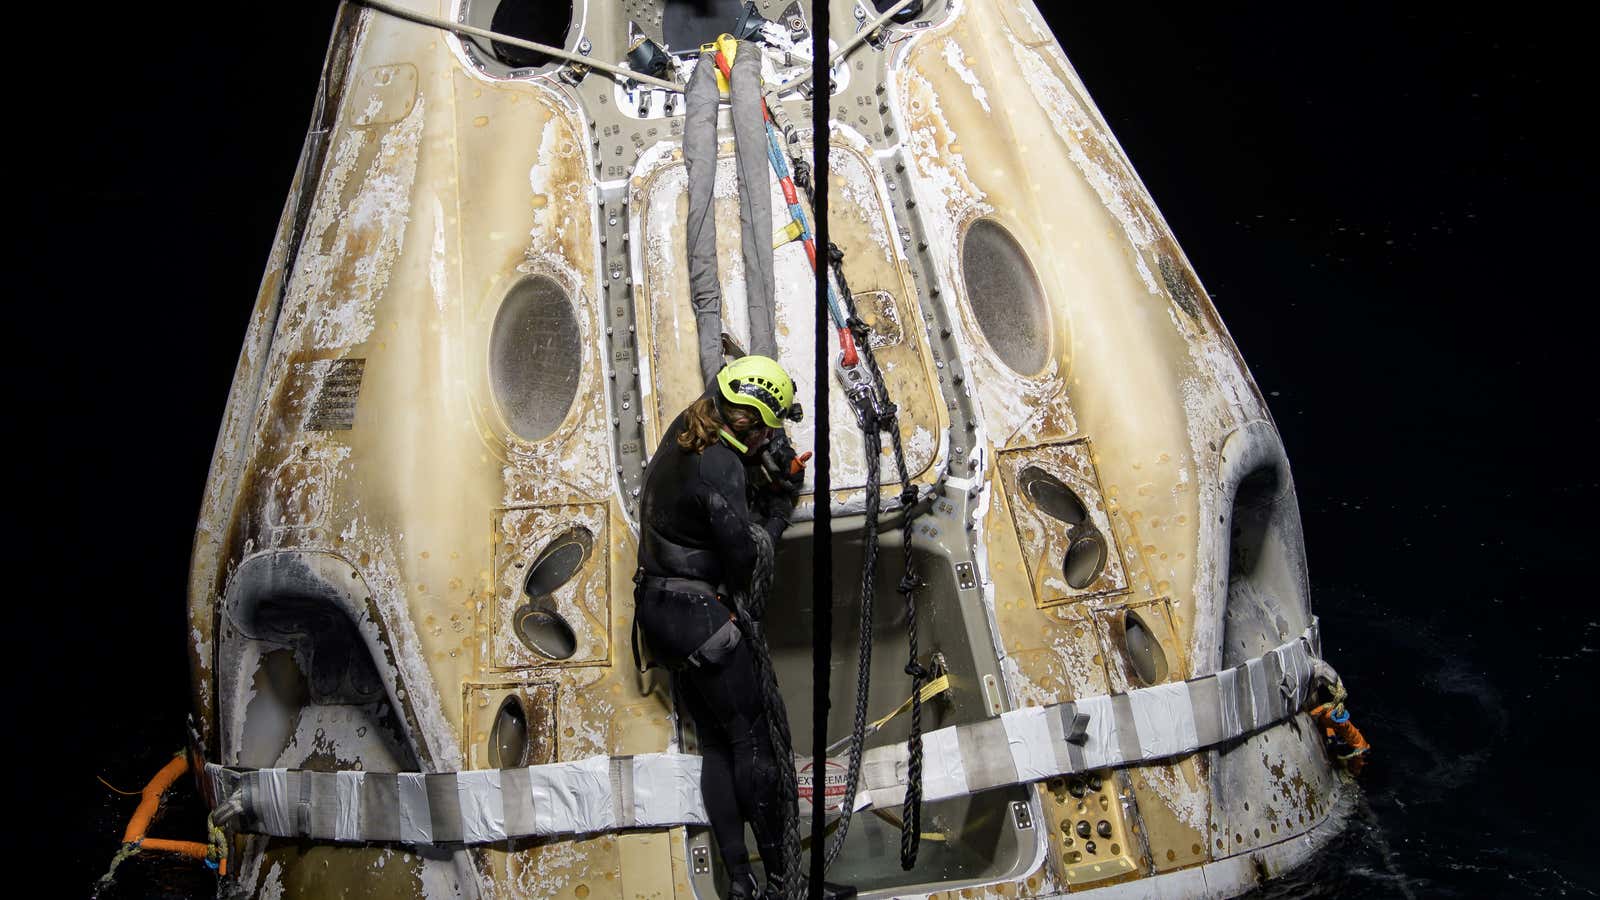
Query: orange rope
column 150, row 802
column 183, row 848
column 152, row 792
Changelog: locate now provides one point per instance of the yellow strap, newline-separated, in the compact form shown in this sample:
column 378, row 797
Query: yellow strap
column 789, row 232
column 894, row 820
column 929, row 691
column 730, row 49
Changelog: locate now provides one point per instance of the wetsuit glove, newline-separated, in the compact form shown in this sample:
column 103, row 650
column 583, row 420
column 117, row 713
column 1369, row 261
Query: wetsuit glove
column 783, row 468
column 780, row 509
column 794, row 477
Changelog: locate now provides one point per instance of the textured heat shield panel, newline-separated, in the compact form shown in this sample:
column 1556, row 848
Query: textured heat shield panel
column 331, row 387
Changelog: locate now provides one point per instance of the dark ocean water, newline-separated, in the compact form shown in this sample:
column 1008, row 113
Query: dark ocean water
column 1389, row 207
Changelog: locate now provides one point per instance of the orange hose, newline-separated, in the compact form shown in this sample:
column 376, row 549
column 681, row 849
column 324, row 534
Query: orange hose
column 150, row 802
column 183, row 848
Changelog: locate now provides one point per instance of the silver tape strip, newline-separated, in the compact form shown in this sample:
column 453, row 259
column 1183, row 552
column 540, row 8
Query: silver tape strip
column 416, row 823
column 347, row 826
column 658, row 789
column 986, row 754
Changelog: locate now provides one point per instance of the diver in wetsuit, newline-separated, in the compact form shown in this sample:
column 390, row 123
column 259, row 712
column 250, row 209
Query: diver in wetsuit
column 698, row 542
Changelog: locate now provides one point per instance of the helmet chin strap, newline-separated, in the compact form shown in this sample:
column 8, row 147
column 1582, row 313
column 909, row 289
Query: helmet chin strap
column 733, row 442
column 724, row 409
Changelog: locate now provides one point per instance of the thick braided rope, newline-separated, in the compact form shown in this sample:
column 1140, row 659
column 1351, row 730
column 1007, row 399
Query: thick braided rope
column 911, row 814
column 777, row 711
column 871, row 446
column 911, row 819
column 869, row 568
column 911, row 824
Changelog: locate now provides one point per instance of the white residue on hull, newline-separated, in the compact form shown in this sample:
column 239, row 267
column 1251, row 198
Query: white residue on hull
column 962, row 67
column 372, row 229
column 1118, row 191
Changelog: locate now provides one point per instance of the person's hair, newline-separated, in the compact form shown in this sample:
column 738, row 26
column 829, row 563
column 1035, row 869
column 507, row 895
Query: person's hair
column 702, row 425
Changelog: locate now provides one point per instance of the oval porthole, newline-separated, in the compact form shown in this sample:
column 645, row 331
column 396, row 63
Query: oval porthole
column 508, row 739
column 1144, row 651
column 1051, row 496
column 540, row 21
column 686, row 24
column 535, row 355
column 908, row 13
column 1085, row 558
column 1006, row 296
column 545, row 632
column 558, row 562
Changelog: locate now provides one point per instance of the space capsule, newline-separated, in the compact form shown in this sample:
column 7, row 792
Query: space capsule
column 411, row 592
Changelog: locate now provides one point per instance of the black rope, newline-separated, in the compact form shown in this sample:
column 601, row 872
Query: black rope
column 882, row 414
column 777, row 712
column 870, row 447
column 876, row 414
column 822, row 522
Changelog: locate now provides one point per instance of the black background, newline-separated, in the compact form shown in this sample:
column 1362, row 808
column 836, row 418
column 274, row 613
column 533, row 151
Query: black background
column 1390, row 208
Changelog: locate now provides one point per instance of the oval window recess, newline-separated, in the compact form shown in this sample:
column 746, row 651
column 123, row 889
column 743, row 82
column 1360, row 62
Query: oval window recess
column 558, row 562
column 1085, row 559
column 535, row 355
column 1144, row 652
column 907, row 14
column 1051, row 496
column 546, row 632
column 686, row 24
column 1006, row 297
column 508, row 739
column 540, row 21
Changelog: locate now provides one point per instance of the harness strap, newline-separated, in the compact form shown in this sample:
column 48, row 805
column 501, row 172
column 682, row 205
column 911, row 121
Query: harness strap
column 711, row 651
column 678, row 585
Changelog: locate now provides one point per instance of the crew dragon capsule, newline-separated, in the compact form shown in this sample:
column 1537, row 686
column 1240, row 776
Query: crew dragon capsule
column 411, row 596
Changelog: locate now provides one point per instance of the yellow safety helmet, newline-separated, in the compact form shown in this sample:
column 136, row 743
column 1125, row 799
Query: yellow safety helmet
column 760, row 383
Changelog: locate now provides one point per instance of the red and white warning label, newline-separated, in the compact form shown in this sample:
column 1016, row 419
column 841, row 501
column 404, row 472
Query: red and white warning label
column 833, row 784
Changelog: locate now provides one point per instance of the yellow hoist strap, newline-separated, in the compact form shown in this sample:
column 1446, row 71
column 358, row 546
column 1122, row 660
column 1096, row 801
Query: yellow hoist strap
column 730, row 49
column 929, row 691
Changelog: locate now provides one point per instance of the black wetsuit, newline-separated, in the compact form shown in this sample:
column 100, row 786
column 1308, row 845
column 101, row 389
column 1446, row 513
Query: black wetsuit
column 694, row 522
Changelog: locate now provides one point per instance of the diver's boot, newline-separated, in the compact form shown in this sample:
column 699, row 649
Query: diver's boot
column 744, row 887
column 831, row 891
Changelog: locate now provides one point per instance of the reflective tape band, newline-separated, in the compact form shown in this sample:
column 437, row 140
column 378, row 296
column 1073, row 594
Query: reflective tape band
column 1133, row 728
column 652, row 790
column 472, row 807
